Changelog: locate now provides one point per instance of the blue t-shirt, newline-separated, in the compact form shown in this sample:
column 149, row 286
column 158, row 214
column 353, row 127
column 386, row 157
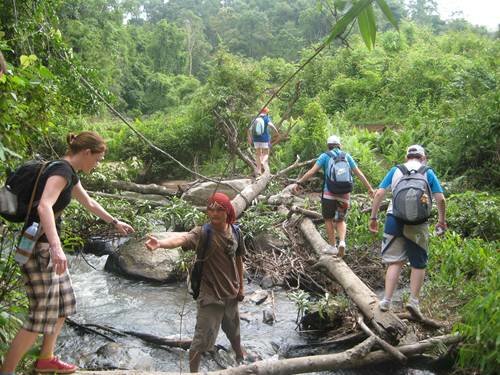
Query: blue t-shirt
column 265, row 137
column 393, row 176
column 323, row 160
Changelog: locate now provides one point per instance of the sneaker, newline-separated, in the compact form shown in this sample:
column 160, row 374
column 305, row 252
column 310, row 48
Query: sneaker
column 54, row 365
column 341, row 249
column 330, row 250
column 384, row 305
column 413, row 308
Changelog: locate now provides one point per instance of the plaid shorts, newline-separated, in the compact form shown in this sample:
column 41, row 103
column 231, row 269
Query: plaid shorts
column 212, row 315
column 51, row 296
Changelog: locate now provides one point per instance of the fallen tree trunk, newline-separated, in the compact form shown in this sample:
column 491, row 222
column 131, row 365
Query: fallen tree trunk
column 326, row 362
column 386, row 323
column 143, row 189
column 248, row 194
column 140, row 200
column 384, row 344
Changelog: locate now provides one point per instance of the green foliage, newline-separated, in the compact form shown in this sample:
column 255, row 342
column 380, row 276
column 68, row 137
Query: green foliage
column 260, row 219
column 465, row 271
column 107, row 171
column 310, row 137
column 480, row 327
column 326, row 306
column 475, row 214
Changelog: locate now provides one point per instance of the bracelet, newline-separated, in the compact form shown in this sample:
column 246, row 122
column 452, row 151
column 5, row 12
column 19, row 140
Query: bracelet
column 374, row 218
column 114, row 221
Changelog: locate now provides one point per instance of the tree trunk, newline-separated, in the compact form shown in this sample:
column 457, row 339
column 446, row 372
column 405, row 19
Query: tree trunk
column 386, row 323
column 352, row 358
column 143, row 189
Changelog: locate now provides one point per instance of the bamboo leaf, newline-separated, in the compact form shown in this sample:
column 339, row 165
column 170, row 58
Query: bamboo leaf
column 388, row 13
column 367, row 26
column 347, row 18
column 372, row 23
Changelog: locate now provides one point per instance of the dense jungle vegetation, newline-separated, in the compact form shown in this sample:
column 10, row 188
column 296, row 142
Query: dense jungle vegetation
column 173, row 69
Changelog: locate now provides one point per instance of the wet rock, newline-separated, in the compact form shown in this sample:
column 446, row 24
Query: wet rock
column 267, row 282
column 259, row 296
column 97, row 247
column 267, row 242
column 268, row 316
column 116, row 356
column 198, row 195
column 134, row 261
column 321, row 322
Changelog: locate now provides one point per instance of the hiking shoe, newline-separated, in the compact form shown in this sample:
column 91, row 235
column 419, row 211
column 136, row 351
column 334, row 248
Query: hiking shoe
column 414, row 309
column 384, row 305
column 54, row 365
column 330, row 250
column 341, row 249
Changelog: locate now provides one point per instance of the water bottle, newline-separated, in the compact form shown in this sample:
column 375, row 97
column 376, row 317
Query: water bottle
column 26, row 244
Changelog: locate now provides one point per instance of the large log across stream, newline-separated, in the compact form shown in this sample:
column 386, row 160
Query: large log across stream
column 385, row 323
column 352, row 358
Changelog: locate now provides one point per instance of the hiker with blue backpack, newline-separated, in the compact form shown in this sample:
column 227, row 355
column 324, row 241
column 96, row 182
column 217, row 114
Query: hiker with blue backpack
column 406, row 232
column 217, row 277
column 37, row 193
column 259, row 136
column 338, row 167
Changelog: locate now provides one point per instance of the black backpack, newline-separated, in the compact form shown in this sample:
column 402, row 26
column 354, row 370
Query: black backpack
column 201, row 250
column 17, row 196
column 412, row 196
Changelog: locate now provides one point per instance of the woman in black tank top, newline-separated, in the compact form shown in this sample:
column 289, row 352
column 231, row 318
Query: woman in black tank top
column 48, row 283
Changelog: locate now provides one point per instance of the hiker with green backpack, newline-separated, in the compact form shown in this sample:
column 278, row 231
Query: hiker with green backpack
column 338, row 168
column 217, row 276
column 406, row 232
column 49, row 188
column 259, row 136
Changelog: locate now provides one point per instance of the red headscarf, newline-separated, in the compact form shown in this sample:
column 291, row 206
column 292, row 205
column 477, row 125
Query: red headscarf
column 224, row 201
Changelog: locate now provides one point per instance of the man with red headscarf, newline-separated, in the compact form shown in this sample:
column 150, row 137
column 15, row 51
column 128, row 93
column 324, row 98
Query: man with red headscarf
column 222, row 277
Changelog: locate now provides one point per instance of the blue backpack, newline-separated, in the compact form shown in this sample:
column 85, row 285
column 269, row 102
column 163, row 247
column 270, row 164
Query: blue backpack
column 338, row 174
column 258, row 127
column 194, row 281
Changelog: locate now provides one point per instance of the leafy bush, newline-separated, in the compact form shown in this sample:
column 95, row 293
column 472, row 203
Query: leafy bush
column 475, row 214
column 107, row 171
column 464, row 272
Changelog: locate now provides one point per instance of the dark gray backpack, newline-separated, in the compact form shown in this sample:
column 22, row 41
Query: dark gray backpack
column 412, row 196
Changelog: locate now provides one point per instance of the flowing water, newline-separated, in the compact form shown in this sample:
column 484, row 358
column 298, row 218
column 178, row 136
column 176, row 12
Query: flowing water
column 126, row 305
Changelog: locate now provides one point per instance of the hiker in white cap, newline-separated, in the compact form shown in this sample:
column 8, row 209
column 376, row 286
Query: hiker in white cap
column 406, row 230
column 338, row 167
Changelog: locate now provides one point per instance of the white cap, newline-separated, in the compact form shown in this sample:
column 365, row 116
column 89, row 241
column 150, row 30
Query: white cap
column 415, row 150
column 333, row 140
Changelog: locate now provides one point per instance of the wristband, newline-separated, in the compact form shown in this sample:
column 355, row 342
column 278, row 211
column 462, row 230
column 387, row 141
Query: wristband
column 374, row 218
column 114, row 222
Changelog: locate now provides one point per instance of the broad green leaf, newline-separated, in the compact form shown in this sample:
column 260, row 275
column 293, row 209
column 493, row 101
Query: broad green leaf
column 367, row 26
column 388, row 13
column 347, row 18
column 13, row 94
column 27, row 60
column 24, row 61
column 18, row 81
column 45, row 72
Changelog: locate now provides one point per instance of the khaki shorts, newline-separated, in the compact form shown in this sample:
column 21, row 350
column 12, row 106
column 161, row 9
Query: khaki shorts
column 212, row 314
column 51, row 296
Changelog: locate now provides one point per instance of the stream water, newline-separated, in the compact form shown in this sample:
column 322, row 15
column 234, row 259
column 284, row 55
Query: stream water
column 106, row 299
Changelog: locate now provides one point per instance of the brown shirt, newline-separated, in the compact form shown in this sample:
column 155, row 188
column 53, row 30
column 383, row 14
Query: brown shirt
column 220, row 275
